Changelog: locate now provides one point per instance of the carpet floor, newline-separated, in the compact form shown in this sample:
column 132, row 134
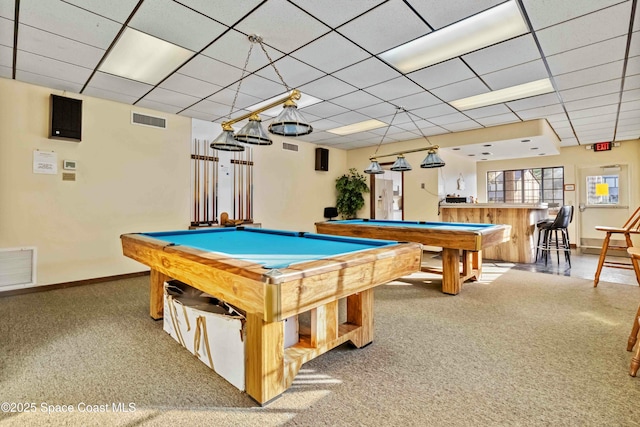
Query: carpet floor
column 515, row 349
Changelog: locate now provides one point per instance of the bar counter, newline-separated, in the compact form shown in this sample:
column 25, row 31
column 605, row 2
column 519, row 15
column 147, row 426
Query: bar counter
column 522, row 218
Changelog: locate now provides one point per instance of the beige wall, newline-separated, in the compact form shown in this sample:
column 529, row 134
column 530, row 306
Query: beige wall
column 129, row 179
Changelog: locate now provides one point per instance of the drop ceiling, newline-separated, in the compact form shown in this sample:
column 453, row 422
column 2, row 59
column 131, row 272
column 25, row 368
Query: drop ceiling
column 330, row 50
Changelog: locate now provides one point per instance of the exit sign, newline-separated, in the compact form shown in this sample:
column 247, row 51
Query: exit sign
column 602, row 146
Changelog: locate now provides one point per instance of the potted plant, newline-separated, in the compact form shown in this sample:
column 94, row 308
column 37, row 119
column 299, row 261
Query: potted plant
column 350, row 188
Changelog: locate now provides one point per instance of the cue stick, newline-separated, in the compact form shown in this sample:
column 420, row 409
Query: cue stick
column 241, row 188
column 247, row 187
column 215, row 186
column 206, row 183
column 198, row 181
column 235, row 178
column 251, row 187
column 195, row 180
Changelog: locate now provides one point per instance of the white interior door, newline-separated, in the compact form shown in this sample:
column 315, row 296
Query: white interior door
column 603, row 200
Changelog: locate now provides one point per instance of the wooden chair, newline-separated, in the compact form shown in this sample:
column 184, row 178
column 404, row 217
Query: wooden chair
column 633, row 337
column 632, row 226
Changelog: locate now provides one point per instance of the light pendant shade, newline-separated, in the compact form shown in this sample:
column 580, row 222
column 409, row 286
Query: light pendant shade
column 253, row 133
column 290, row 122
column 401, row 165
column 226, row 142
column 432, row 161
column 374, row 168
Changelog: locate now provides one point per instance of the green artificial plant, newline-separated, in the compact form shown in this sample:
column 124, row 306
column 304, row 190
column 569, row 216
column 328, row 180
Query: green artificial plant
column 350, row 188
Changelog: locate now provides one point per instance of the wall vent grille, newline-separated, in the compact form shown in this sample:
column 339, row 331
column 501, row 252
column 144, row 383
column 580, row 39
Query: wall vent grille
column 290, row 147
column 146, row 120
column 17, row 268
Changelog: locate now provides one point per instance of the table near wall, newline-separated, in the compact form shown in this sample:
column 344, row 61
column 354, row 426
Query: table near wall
column 521, row 247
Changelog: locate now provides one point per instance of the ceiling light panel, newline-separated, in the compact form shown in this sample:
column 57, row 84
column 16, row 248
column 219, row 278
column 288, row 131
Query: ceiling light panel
column 492, row 26
column 538, row 87
column 143, row 58
column 357, row 127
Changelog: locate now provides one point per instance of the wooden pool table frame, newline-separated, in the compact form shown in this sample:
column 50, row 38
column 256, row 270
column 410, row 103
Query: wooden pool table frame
column 469, row 242
column 270, row 296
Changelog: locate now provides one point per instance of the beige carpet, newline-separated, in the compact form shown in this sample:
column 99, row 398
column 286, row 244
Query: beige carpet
column 518, row 349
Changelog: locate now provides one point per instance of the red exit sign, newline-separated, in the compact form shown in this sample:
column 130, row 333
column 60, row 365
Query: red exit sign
column 602, row 146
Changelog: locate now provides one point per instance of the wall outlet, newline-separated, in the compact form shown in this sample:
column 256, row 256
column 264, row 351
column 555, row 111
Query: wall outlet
column 422, row 185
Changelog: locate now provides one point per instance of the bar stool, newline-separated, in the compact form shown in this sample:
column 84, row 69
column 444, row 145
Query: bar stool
column 549, row 231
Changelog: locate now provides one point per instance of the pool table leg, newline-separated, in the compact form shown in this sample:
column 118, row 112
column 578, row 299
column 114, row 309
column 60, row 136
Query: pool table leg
column 156, row 294
column 264, row 359
column 360, row 312
column 451, row 271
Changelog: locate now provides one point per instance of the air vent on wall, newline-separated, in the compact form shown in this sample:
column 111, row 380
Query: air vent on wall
column 290, row 147
column 17, row 268
column 146, row 120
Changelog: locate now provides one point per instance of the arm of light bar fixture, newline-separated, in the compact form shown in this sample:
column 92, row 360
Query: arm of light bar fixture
column 415, row 150
column 293, row 96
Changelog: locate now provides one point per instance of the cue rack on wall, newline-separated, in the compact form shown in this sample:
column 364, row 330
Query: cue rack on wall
column 222, row 182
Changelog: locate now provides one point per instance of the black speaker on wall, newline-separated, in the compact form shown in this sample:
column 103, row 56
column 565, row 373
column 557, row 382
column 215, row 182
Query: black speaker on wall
column 66, row 118
column 322, row 159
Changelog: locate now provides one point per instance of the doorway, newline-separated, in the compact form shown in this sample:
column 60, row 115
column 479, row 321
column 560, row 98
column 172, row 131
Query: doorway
column 603, row 200
column 387, row 196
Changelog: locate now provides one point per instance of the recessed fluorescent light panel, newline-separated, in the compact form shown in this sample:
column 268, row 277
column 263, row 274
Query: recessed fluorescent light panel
column 492, row 26
column 144, row 58
column 537, row 87
column 304, row 101
column 358, row 127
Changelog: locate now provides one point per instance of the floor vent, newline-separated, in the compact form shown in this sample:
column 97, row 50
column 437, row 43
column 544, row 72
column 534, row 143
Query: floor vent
column 17, row 268
column 146, row 120
column 290, row 147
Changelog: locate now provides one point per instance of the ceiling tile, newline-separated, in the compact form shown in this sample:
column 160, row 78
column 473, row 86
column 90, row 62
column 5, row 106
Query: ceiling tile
column 544, row 13
column 226, row 12
column 503, row 55
column 595, row 101
column 294, row 72
column 569, row 142
column 213, row 109
column 491, row 110
column 69, row 21
column 324, row 109
column 593, row 112
column 442, row 74
column 176, row 24
column 517, row 75
column 330, row 53
column 597, row 89
column 434, row 111
column 47, row 81
column 498, row 120
column 227, row 96
column 461, row 89
column 629, row 106
column 324, row 124
column 188, row 85
column 63, row 49
column 586, row 30
column 631, row 95
column 604, row 118
column 540, row 112
column 367, row 73
column 273, row 16
column 197, row 115
column 378, row 110
column 233, row 48
column 440, row 14
column 159, row 106
column 110, row 95
column 461, row 126
column 41, row 65
column 610, row 71
column 6, row 56
column 349, row 117
column 632, row 82
column 533, row 102
column 448, row 118
column 415, row 101
column 212, row 71
column 262, row 88
column 7, row 9
column 356, row 100
column 6, row 32
column 326, row 88
column 113, row 83
column 588, row 56
column 6, row 72
column 327, row 10
column 170, row 97
column 396, row 88
column 119, row 10
column 401, row 25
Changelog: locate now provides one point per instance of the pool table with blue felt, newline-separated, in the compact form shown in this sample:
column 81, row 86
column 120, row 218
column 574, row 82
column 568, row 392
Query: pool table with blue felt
column 452, row 237
column 272, row 275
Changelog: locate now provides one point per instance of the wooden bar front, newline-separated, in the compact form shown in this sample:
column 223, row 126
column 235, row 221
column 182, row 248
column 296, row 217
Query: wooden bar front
column 521, row 247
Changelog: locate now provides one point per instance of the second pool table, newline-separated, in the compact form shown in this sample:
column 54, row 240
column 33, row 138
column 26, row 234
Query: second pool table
column 452, row 237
